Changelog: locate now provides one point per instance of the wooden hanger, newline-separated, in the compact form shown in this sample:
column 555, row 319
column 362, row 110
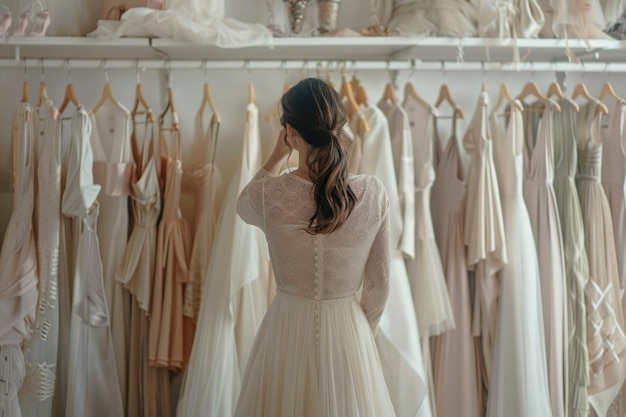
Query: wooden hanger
column 581, row 90
column 555, row 90
column 25, row 92
column 360, row 95
column 389, row 94
column 352, row 106
column 43, row 93
column 171, row 108
column 411, row 91
column 107, row 95
column 251, row 100
column 607, row 90
column 532, row 89
column 446, row 95
column 505, row 94
column 140, row 100
column 69, row 97
column 207, row 100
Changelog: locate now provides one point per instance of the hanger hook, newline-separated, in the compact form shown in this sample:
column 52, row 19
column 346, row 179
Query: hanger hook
column 582, row 64
column 443, row 68
column 354, row 68
column 413, row 69
column 24, row 61
column 305, row 68
column 106, row 72
column 343, row 69
column 168, row 72
column 246, row 65
column 137, row 71
column 283, row 66
column 319, row 67
column 43, row 73
column 608, row 68
column 206, row 69
column 69, row 70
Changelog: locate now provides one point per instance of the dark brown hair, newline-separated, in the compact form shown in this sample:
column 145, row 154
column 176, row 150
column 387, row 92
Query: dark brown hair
column 316, row 112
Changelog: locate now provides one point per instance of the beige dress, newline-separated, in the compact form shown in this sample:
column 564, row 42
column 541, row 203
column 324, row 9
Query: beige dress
column 605, row 326
column 18, row 267
column 454, row 355
column 166, row 343
column 148, row 387
column 112, row 170
column 544, row 218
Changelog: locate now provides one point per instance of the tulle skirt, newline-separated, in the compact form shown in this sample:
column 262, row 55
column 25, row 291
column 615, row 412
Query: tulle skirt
column 314, row 358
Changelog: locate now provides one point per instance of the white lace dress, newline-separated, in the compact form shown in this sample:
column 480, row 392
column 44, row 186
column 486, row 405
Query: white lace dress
column 314, row 354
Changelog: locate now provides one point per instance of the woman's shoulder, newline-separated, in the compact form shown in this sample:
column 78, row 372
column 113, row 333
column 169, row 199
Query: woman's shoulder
column 369, row 187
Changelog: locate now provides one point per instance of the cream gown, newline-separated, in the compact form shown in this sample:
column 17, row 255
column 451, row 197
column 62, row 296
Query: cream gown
column 41, row 354
column 454, row 355
column 148, row 387
column 93, row 385
column 606, row 340
column 544, row 218
column 398, row 339
column 484, row 231
column 428, row 283
column 18, row 266
column 112, row 170
column 234, row 299
column 518, row 385
column 314, row 354
column 576, row 267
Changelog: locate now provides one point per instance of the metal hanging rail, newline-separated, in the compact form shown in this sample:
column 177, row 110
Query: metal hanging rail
column 319, row 65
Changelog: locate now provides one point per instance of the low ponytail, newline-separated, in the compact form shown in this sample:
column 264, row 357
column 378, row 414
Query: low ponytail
column 316, row 112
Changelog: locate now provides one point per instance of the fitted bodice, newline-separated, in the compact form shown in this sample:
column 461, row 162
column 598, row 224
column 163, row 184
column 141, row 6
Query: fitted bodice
column 509, row 157
column 565, row 154
column 538, row 143
column 321, row 266
column 589, row 143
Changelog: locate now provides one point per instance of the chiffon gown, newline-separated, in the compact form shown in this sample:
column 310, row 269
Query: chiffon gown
column 544, row 218
column 519, row 379
column 203, row 177
column 112, row 170
column 314, row 354
column 166, row 335
column 400, row 351
column 18, row 266
column 148, row 387
column 483, row 234
column 606, row 340
column 454, row 355
column 428, row 283
column 234, row 298
column 576, row 266
column 93, row 385
column 41, row 354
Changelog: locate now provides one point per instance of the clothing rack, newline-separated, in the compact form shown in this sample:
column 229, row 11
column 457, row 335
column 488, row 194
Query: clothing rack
column 319, row 65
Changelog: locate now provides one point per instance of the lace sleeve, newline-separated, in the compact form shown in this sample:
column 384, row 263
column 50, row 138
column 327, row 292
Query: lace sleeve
column 376, row 279
column 250, row 201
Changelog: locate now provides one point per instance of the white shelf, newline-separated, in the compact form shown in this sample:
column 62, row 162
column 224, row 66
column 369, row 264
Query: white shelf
column 320, row 48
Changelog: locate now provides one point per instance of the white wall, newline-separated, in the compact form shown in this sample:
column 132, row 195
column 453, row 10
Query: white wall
column 230, row 92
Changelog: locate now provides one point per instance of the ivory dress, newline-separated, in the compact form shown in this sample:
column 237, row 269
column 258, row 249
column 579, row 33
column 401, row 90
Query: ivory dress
column 398, row 340
column 428, row 283
column 166, row 337
column 484, row 231
column 18, row 267
column 234, row 299
column 314, row 354
column 454, row 356
column 544, row 218
column 41, row 354
column 112, row 170
column 93, row 385
column 518, row 385
column 576, row 267
column 606, row 340
column 148, row 387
